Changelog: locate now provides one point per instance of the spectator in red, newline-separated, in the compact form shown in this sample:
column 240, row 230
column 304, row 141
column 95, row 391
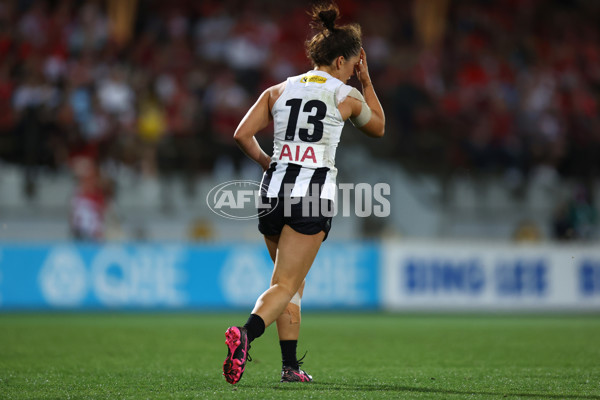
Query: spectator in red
column 89, row 202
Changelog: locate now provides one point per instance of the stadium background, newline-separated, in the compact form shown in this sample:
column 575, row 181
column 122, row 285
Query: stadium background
column 118, row 281
column 117, row 119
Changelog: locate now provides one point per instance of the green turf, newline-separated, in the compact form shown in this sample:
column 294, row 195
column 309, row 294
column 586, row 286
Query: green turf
column 165, row 356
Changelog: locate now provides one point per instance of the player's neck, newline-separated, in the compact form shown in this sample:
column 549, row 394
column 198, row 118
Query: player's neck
column 329, row 70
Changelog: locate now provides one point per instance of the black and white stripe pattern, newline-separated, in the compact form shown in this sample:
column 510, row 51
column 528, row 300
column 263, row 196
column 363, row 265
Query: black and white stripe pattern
column 288, row 179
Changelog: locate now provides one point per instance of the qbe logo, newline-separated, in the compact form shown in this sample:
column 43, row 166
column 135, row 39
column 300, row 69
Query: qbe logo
column 239, row 200
column 63, row 278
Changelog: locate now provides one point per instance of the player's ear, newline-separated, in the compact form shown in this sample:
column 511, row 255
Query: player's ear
column 339, row 62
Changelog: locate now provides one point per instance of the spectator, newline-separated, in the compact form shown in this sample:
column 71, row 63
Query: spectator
column 499, row 87
column 89, row 202
column 577, row 217
column 152, row 126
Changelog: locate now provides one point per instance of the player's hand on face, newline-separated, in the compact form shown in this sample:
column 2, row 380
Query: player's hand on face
column 362, row 69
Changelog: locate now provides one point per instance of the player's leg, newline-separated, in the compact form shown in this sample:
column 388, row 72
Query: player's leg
column 294, row 256
column 272, row 242
column 288, row 324
column 237, row 338
column 288, row 328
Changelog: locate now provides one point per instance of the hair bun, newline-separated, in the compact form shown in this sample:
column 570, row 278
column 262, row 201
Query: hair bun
column 328, row 18
column 324, row 16
column 330, row 40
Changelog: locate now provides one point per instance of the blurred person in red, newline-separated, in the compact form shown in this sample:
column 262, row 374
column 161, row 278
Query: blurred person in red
column 7, row 117
column 89, row 202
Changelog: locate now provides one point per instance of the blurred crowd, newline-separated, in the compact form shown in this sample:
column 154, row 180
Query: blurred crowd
column 501, row 86
column 513, row 86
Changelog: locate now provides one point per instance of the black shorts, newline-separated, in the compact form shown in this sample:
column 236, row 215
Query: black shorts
column 308, row 221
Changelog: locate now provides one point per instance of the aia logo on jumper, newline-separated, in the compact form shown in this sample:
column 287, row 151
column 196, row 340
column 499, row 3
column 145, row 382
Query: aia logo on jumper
column 238, row 200
column 298, row 153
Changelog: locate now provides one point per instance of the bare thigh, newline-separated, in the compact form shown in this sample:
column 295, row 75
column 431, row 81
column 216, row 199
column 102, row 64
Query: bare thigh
column 294, row 257
column 271, row 242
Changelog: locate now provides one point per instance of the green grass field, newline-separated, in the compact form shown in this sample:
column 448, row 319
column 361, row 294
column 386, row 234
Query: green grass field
column 351, row 356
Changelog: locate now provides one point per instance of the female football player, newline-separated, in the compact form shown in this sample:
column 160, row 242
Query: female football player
column 308, row 111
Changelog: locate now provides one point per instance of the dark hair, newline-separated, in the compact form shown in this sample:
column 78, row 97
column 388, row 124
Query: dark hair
column 331, row 41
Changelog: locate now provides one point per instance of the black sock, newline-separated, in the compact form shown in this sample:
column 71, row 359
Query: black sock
column 255, row 327
column 288, row 353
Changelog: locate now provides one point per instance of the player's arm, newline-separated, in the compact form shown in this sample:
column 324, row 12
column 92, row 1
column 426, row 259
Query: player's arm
column 367, row 113
column 256, row 119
